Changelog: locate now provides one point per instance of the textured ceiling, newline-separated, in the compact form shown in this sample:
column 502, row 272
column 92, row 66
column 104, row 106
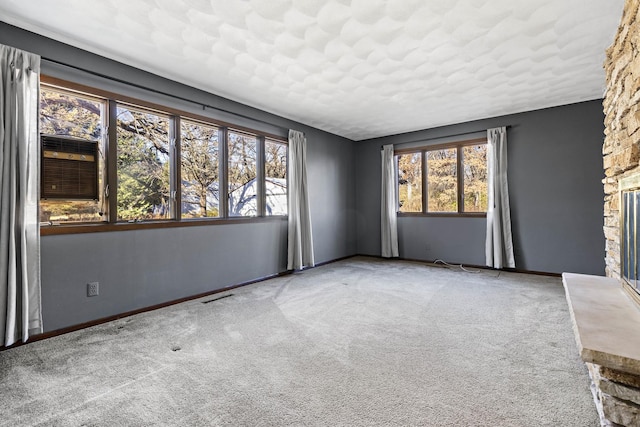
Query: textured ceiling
column 356, row 68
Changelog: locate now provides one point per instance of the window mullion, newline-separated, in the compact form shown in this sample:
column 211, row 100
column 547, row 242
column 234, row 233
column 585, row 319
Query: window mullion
column 112, row 160
column 425, row 182
column 260, row 177
column 176, row 167
column 223, row 160
column 460, row 180
column 396, row 171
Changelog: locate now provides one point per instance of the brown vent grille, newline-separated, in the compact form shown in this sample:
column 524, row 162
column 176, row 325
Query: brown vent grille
column 69, row 168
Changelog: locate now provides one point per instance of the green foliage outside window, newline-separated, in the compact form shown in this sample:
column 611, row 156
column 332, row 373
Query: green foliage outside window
column 143, row 165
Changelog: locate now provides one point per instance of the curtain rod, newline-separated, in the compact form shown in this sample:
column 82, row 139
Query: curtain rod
column 445, row 136
column 159, row 92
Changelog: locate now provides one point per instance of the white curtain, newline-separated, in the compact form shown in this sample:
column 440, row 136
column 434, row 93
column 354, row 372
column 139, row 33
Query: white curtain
column 20, row 308
column 300, row 237
column 388, row 212
column 499, row 245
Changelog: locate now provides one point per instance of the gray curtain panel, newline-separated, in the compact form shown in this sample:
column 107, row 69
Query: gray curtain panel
column 300, row 236
column 389, row 205
column 499, row 244
column 20, row 306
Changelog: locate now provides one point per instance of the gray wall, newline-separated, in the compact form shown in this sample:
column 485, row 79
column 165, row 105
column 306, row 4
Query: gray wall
column 555, row 173
column 140, row 268
column 556, row 197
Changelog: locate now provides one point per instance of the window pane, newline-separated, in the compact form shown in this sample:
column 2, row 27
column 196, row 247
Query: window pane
column 143, row 165
column 442, row 180
column 410, row 182
column 474, row 159
column 275, row 175
column 242, row 174
column 199, row 166
column 78, row 116
column 67, row 113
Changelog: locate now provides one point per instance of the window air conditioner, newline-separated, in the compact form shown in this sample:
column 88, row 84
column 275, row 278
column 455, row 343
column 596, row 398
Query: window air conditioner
column 69, row 168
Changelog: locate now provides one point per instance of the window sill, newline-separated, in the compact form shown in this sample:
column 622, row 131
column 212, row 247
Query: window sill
column 444, row 214
column 52, row 230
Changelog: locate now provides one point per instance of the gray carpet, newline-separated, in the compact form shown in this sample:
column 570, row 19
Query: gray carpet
column 361, row 342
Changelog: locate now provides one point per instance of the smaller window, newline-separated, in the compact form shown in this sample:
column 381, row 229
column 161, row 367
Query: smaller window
column 455, row 178
column 275, row 177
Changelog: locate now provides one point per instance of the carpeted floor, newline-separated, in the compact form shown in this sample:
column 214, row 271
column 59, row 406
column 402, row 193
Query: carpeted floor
column 360, row 342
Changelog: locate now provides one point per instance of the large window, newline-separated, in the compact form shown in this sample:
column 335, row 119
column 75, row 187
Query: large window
column 157, row 164
column 449, row 179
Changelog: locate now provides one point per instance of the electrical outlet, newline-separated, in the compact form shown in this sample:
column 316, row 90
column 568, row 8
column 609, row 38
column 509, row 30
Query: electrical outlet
column 92, row 289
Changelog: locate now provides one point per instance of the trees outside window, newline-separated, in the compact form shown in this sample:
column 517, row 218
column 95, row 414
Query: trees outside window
column 153, row 158
column 67, row 113
column 275, row 177
column 144, row 186
column 410, row 182
column 474, row 158
column 442, row 180
column 455, row 175
column 242, row 173
column 199, row 151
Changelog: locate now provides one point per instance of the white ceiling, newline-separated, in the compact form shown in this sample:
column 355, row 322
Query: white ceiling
column 356, row 68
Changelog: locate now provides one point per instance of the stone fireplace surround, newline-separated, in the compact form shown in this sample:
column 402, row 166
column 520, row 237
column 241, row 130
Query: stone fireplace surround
column 606, row 319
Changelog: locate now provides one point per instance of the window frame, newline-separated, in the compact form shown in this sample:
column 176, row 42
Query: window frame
column 171, row 138
column 178, row 153
column 423, row 167
column 263, row 181
column 103, row 154
column 458, row 145
column 259, row 153
column 112, row 100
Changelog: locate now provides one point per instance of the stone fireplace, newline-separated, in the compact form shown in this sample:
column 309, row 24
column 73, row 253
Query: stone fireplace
column 622, row 126
column 606, row 310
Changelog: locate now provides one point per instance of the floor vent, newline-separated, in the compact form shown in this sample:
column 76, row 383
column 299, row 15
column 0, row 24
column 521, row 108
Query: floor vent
column 216, row 299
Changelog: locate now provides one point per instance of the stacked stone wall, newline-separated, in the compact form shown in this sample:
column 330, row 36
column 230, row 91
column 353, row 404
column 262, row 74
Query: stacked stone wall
column 617, row 394
column 622, row 125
